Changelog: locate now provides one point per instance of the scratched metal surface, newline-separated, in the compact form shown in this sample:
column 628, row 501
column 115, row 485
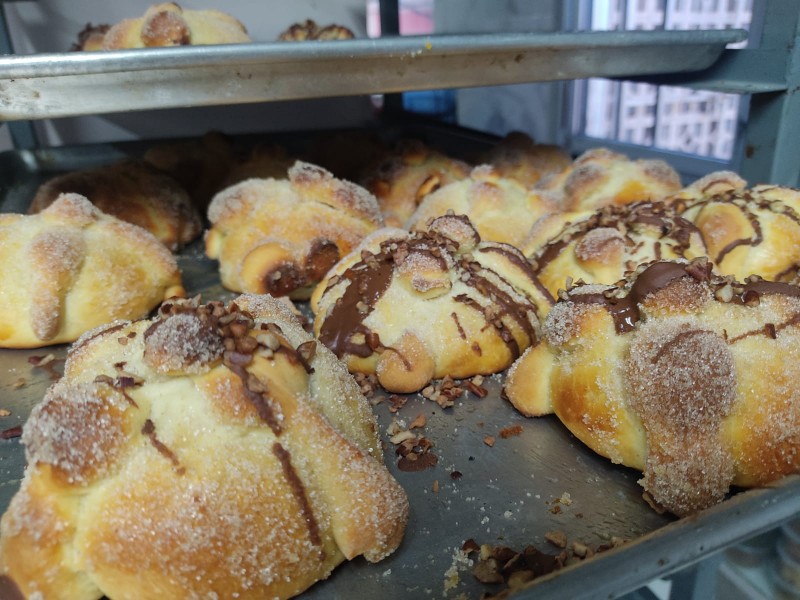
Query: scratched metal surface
column 504, row 494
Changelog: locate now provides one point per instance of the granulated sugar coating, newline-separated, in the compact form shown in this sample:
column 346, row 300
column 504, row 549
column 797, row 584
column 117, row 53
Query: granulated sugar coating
column 682, row 382
column 215, row 451
column 687, row 376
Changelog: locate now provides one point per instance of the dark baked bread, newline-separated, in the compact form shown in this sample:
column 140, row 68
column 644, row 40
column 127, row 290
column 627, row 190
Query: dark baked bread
column 134, row 191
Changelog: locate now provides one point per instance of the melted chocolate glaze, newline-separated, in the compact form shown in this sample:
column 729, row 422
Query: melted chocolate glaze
column 368, row 283
column 748, row 204
column 654, row 214
column 149, row 429
column 625, row 310
column 96, row 335
column 260, row 400
column 9, row 589
column 299, row 492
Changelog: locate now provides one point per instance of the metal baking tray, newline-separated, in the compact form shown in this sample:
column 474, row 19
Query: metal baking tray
column 85, row 83
column 507, row 494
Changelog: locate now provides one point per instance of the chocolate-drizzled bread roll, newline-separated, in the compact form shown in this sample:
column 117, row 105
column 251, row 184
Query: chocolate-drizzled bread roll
column 501, row 209
column 71, row 268
column 411, row 307
column 134, row 191
column 281, row 236
column 402, row 178
column 600, row 177
column 601, row 246
column 687, row 376
column 518, row 157
column 748, row 231
column 214, row 451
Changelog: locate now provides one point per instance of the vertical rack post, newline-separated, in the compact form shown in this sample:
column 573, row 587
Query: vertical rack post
column 773, row 128
column 22, row 133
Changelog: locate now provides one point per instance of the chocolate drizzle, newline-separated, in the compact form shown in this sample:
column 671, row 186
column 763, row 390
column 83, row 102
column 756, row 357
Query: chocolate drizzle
column 149, row 429
column 9, row 589
column 500, row 305
column 344, row 331
column 658, row 275
column 523, row 266
column 624, row 219
column 258, row 395
column 368, row 282
column 299, row 492
column 625, row 310
column 748, row 202
column 96, row 335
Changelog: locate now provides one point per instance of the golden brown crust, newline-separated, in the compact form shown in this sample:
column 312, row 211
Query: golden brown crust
column 602, row 246
column 167, row 24
column 748, row 231
column 160, row 467
column 133, row 191
column 403, row 177
column 280, row 237
column 71, row 268
column 675, row 372
column 500, row 208
column 600, row 177
column 410, row 307
column 518, row 157
column 91, row 38
column 309, row 30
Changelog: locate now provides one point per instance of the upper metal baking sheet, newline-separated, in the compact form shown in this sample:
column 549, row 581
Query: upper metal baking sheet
column 82, row 83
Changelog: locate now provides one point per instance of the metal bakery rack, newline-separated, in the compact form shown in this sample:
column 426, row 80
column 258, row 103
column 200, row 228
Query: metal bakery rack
column 506, row 494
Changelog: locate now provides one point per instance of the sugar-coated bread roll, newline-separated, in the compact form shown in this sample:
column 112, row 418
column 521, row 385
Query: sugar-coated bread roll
column 689, row 377
column 212, row 452
column 199, row 165
column 134, row 191
column 501, row 209
column 411, row 307
column 602, row 246
column 600, row 177
column 168, row 24
column 91, row 38
column 518, row 157
column 72, row 268
column 403, row 177
column 748, row 231
column 309, row 30
column 281, row 236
